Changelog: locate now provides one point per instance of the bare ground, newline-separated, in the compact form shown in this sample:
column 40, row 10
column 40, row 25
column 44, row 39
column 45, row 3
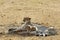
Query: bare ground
column 46, row 12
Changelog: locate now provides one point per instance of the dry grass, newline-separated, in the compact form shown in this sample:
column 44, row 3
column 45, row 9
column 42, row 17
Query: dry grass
column 46, row 12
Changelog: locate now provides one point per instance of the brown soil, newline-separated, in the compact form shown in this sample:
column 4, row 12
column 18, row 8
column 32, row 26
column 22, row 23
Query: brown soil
column 46, row 12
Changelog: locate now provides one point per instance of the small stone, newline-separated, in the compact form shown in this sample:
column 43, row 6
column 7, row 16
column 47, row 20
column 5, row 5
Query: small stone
column 10, row 39
column 12, row 2
column 19, row 9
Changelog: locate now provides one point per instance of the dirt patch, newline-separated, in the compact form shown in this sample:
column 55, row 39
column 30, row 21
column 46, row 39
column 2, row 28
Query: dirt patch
column 46, row 12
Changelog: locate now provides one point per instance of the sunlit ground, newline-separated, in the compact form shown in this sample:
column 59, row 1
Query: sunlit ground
column 46, row 12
